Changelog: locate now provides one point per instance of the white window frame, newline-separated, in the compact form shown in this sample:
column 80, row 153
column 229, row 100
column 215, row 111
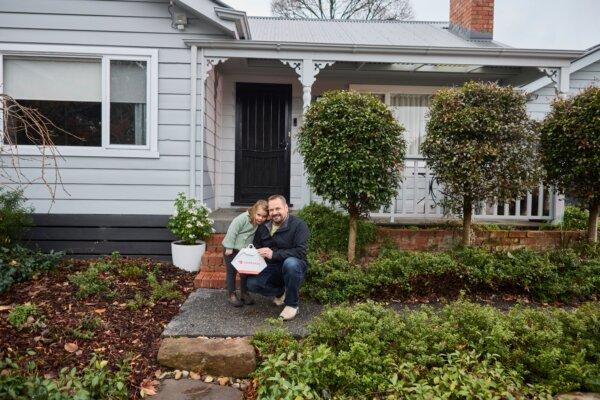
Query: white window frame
column 105, row 54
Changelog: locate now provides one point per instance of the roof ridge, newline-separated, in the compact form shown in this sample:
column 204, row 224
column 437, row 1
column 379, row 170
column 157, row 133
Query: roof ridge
column 350, row 20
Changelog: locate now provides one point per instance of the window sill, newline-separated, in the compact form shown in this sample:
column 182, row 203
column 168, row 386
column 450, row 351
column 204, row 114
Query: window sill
column 72, row 151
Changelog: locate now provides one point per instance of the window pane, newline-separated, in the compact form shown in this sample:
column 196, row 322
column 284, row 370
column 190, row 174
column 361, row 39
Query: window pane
column 66, row 91
column 77, row 123
column 411, row 111
column 128, row 102
column 62, row 79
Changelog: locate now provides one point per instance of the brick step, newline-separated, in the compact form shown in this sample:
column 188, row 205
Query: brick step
column 215, row 239
column 211, row 280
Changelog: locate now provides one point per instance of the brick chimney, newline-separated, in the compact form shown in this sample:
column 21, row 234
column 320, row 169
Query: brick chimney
column 472, row 19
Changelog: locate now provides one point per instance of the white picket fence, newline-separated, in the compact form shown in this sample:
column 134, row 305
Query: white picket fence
column 415, row 202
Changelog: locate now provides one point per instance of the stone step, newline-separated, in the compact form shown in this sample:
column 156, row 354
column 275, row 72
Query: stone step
column 215, row 356
column 211, row 280
column 186, row 389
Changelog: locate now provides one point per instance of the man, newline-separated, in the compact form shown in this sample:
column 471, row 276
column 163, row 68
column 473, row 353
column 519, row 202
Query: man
column 282, row 242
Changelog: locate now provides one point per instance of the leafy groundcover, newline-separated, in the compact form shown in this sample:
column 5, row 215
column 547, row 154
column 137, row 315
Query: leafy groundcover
column 87, row 329
column 460, row 351
column 560, row 276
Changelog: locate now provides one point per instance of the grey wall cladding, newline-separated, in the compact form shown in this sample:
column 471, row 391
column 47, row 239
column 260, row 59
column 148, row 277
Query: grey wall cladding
column 84, row 236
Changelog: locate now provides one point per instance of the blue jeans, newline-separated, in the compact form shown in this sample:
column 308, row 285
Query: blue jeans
column 277, row 278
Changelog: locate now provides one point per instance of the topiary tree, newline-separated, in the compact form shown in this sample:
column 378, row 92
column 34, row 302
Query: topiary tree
column 480, row 144
column 353, row 152
column 570, row 145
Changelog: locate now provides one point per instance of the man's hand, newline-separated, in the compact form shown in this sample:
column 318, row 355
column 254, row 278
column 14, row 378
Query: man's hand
column 228, row 252
column 265, row 252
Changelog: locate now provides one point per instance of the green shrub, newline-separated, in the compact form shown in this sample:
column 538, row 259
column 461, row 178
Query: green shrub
column 96, row 381
column 480, row 144
column 18, row 316
column 18, row 264
column 570, row 148
column 138, row 301
column 575, row 219
column 560, row 275
column 86, row 328
column 353, row 151
column 14, row 216
column 165, row 290
column 329, row 229
column 90, row 282
column 462, row 351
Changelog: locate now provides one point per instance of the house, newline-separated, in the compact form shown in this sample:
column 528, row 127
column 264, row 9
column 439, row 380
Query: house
column 194, row 96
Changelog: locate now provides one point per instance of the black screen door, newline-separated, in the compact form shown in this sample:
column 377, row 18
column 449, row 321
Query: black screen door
column 262, row 141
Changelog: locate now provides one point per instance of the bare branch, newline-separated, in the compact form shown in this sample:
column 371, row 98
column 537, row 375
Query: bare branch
column 31, row 127
column 344, row 9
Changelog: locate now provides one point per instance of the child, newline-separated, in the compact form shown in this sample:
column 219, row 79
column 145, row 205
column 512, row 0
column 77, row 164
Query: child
column 239, row 235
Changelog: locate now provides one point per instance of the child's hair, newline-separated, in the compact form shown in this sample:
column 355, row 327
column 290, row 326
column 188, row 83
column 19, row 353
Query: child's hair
column 259, row 204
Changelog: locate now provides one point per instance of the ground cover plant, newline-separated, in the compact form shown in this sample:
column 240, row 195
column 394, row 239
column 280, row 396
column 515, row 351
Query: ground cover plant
column 557, row 276
column 79, row 317
column 461, row 351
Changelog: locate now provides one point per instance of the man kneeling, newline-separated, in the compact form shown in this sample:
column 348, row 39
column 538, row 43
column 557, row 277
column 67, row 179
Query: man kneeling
column 282, row 241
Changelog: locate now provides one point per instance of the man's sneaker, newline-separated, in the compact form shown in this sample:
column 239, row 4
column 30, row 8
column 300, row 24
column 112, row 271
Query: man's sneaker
column 288, row 313
column 278, row 301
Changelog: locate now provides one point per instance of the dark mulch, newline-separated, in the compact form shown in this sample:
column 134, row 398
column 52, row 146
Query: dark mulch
column 124, row 332
column 430, row 289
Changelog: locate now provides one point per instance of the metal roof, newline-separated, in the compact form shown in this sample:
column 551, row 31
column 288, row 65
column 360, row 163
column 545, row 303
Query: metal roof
column 359, row 32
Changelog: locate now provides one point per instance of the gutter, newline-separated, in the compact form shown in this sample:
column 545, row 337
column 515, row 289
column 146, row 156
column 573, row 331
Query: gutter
column 384, row 49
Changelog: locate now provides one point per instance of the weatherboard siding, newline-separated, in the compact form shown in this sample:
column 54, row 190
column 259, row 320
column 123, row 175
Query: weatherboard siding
column 540, row 106
column 99, row 185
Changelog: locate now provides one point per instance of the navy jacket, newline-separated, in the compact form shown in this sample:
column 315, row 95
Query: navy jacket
column 290, row 240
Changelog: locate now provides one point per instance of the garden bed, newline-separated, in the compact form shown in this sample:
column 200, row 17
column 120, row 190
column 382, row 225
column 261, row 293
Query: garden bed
column 116, row 311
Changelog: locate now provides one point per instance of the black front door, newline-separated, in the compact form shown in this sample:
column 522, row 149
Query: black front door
column 262, row 141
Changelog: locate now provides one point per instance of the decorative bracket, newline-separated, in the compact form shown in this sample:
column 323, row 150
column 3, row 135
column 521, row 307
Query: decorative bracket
column 296, row 65
column 319, row 65
column 210, row 63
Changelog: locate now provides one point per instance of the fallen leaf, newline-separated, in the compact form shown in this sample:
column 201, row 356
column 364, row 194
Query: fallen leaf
column 148, row 387
column 5, row 308
column 208, row 379
column 178, row 374
column 157, row 373
column 79, row 352
column 71, row 347
column 100, row 310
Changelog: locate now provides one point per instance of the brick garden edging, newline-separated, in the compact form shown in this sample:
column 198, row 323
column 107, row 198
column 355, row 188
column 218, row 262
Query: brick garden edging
column 212, row 272
column 446, row 239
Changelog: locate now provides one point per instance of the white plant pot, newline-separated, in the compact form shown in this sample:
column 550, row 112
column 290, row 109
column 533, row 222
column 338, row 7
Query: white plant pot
column 187, row 257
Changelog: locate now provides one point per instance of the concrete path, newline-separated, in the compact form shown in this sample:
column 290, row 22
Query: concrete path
column 206, row 312
column 184, row 389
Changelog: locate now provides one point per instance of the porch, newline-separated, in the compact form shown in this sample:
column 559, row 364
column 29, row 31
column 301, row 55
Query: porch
column 236, row 125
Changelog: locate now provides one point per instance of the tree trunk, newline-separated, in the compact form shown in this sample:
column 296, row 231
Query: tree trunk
column 467, row 217
column 352, row 239
column 592, row 232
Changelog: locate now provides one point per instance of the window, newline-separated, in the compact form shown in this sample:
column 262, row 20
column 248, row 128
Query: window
column 411, row 111
column 410, row 105
column 101, row 104
column 67, row 92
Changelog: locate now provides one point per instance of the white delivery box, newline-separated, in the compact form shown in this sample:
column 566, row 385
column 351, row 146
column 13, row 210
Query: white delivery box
column 248, row 261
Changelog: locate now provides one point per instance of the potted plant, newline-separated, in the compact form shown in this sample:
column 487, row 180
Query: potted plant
column 191, row 224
